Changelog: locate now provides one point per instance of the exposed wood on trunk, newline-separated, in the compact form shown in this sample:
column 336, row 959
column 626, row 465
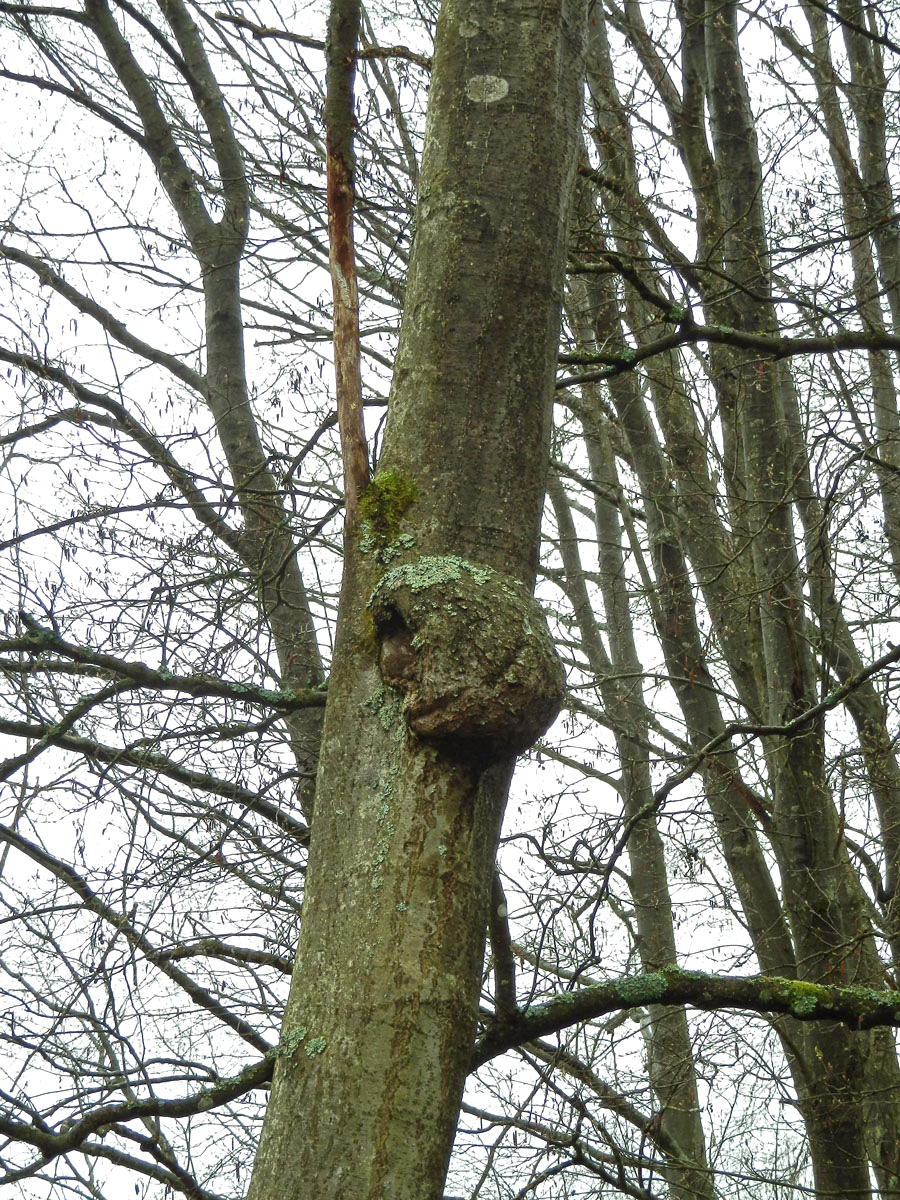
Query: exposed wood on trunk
column 340, row 55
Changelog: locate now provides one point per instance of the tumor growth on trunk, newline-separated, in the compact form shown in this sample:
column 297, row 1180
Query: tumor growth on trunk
column 470, row 652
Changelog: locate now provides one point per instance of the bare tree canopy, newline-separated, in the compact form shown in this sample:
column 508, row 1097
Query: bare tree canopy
column 396, row 396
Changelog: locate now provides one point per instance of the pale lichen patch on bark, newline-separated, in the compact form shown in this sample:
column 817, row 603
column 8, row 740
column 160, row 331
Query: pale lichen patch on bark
column 290, row 1041
column 487, row 89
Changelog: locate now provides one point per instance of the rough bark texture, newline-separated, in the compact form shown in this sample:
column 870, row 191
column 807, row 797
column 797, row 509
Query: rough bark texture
column 377, row 1037
column 470, row 652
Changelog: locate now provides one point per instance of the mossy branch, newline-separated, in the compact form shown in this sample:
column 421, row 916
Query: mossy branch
column 858, row 1007
column 40, row 640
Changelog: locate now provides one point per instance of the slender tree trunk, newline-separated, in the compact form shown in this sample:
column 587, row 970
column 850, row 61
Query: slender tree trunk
column 447, row 673
column 867, row 207
column 824, row 917
column 839, row 1123
column 669, row 1052
column 266, row 544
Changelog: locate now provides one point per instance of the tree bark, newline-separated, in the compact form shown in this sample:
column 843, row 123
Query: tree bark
column 377, row 1036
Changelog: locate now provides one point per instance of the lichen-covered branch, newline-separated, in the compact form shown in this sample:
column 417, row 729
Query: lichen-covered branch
column 858, row 1007
column 42, row 641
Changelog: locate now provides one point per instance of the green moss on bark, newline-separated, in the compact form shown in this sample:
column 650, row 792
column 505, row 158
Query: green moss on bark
column 382, row 507
column 645, row 989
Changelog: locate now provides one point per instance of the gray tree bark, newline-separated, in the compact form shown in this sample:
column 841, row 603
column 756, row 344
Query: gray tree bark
column 824, row 908
column 417, row 751
column 838, row 1076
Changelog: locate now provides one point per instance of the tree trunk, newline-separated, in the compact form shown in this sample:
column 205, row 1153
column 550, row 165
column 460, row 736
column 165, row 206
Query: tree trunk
column 448, row 672
column 829, row 938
